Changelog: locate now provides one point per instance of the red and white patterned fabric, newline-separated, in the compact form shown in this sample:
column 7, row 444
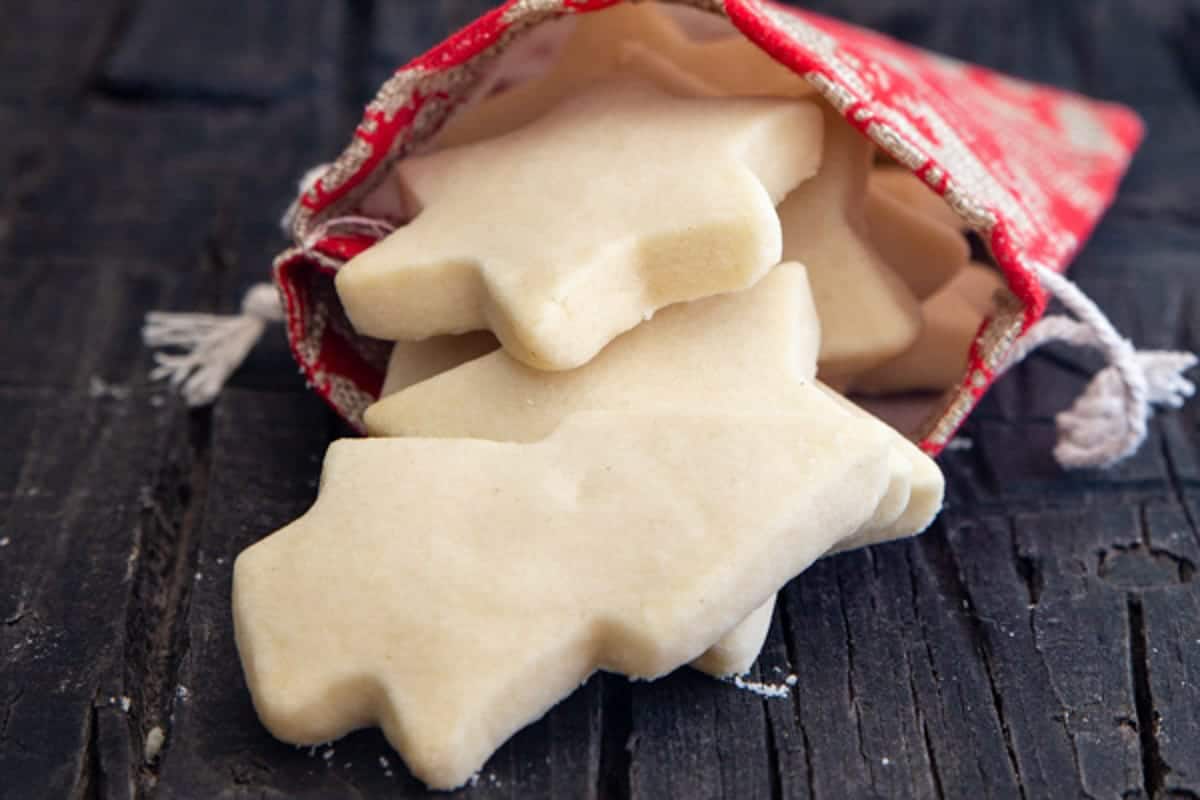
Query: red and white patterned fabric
column 1028, row 167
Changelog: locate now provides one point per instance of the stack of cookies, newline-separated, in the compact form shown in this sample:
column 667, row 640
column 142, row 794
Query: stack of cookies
column 625, row 305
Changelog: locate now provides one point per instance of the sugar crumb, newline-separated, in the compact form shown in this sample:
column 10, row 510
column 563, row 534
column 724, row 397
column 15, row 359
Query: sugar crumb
column 767, row 690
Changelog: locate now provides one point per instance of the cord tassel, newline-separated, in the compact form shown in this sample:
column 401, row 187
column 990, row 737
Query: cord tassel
column 213, row 346
column 1108, row 422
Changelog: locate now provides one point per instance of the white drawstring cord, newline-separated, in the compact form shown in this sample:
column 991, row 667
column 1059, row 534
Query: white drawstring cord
column 213, row 345
column 1108, row 422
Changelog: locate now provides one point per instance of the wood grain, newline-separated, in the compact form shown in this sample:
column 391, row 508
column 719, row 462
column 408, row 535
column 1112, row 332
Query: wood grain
column 1042, row 640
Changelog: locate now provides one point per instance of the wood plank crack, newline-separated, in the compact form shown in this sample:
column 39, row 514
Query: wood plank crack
column 156, row 636
column 617, row 740
column 87, row 785
column 9, row 704
column 933, row 766
column 947, row 569
column 1154, row 769
column 851, row 694
column 786, row 623
column 936, row 679
column 776, row 783
column 985, row 657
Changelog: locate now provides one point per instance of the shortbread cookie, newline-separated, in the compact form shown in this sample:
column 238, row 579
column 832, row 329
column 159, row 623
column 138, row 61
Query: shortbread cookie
column 752, row 351
column 731, row 352
column 458, row 604
column 978, row 284
column 748, row 351
column 925, row 482
column 631, row 37
column 413, row 362
column 736, row 651
column 938, row 359
column 910, row 191
column 923, row 251
column 573, row 229
column 868, row 314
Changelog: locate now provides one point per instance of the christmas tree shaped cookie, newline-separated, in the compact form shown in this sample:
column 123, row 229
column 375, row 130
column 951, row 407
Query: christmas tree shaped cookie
column 937, row 360
column 868, row 314
column 752, row 351
column 925, row 483
column 573, row 229
column 458, row 603
column 413, row 362
column 978, row 284
column 898, row 184
column 924, row 251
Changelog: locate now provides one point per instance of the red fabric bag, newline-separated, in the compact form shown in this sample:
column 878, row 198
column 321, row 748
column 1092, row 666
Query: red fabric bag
column 1029, row 168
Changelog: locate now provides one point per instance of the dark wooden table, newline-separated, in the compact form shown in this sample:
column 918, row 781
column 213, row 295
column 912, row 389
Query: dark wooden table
column 1042, row 641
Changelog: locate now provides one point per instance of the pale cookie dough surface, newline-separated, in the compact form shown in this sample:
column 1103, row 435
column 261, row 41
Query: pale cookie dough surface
column 751, row 351
column 938, row 359
column 631, row 37
column 719, row 353
column 413, row 362
column 573, row 229
column 735, row 652
column 926, row 487
column 924, row 252
column 910, row 191
column 622, row 542
column 868, row 314
column 746, row 351
column 978, row 284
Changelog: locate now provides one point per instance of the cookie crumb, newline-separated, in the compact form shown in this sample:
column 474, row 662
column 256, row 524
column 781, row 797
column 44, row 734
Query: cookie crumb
column 767, row 690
